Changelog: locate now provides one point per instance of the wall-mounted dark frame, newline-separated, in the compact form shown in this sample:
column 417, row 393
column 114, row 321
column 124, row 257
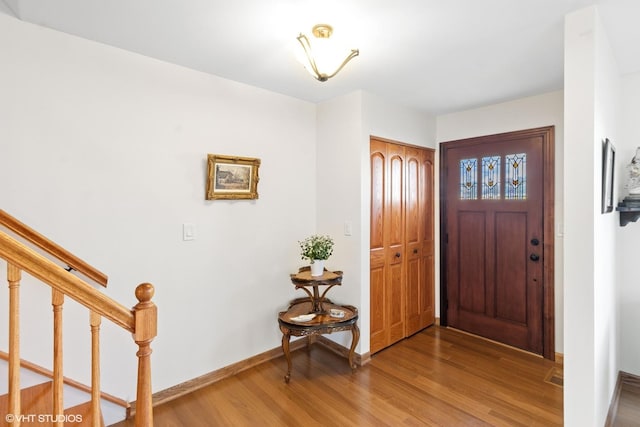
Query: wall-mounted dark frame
column 608, row 166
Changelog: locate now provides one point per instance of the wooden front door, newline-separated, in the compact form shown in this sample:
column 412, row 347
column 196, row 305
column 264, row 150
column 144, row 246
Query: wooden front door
column 497, row 240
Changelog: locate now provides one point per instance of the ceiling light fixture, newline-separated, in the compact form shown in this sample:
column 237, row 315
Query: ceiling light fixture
column 323, row 61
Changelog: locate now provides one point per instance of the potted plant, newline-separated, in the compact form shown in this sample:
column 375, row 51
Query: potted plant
column 317, row 249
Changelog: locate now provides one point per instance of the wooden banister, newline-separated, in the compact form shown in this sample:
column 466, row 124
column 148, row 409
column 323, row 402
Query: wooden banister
column 94, row 322
column 13, row 277
column 52, row 248
column 141, row 320
column 57, row 300
column 57, row 277
column 146, row 330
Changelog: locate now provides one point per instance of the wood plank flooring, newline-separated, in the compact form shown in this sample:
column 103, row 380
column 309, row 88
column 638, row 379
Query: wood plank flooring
column 438, row 377
column 627, row 411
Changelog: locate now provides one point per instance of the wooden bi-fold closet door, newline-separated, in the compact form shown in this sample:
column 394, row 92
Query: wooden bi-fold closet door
column 402, row 241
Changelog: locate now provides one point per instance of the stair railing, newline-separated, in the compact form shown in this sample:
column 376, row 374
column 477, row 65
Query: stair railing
column 141, row 320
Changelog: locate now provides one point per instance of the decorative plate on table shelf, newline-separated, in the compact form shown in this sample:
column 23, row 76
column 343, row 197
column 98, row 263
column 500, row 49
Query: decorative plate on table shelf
column 303, row 317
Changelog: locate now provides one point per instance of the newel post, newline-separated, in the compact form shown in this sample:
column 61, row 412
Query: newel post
column 145, row 314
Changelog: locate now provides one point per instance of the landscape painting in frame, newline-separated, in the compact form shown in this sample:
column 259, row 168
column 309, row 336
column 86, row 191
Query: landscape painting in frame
column 232, row 177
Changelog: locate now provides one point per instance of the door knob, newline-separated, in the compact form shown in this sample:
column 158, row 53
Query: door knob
column 534, row 257
column 397, row 254
column 415, row 251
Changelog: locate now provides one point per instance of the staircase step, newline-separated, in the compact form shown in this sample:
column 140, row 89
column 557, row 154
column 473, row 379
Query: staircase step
column 80, row 412
column 75, row 394
column 34, row 401
column 113, row 408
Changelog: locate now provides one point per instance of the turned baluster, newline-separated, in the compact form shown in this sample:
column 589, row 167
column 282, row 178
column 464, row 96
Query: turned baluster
column 13, row 277
column 57, row 300
column 96, row 411
column 145, row 314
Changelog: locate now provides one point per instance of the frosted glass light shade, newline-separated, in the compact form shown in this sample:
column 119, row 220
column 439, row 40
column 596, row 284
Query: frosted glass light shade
column 324, row 59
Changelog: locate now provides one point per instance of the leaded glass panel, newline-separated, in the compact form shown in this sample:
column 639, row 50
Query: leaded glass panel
column 468, row 179
column 515, row 177
column 491, row 177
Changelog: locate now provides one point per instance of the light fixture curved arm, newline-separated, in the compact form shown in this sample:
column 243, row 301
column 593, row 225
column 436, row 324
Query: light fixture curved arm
column 353, row 54
column 304, row 42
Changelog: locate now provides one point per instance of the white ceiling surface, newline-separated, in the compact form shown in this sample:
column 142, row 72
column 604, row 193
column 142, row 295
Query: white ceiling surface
column 435, row 55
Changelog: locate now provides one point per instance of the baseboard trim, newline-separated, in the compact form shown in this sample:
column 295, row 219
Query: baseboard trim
column 68, row 381
column 560, row 358
column 359, row 359
column 197, row 383
column 212, row 377
column 623, row 378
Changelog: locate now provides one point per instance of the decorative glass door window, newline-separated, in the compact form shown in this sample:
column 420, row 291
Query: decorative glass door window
column 491, row 177
column 516, row 177
column 468, row 179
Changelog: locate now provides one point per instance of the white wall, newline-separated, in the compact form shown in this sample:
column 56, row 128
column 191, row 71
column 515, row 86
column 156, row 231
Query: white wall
column 527, row 113
column 339, row 123
column 397, row 123
column 606, row 113
column 344, row 180
column 592, row 101
column 104, row 151
column 628, row 236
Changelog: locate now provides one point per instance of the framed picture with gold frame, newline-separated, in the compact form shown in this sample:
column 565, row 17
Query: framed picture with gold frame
column 232, row 177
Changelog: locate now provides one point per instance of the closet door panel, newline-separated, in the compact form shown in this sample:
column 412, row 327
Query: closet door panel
column 379, row 236
column 427, row 241
column 413, row 242
column 395, row 253
column 401, row 252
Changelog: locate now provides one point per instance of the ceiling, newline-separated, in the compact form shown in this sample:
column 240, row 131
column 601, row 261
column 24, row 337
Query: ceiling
column 438, row 56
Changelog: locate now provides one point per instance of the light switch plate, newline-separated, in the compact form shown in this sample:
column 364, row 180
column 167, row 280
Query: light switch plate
column 348, row 228
column 188, row 231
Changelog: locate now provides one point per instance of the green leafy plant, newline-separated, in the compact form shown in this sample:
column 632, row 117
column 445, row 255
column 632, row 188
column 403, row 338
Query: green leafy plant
column 316, row 247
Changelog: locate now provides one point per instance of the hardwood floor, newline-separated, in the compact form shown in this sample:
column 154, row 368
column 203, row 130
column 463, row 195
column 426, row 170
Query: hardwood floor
column 625, row 410
column 438, row 377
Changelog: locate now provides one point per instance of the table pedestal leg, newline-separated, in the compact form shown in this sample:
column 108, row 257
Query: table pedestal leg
column 355, row 332
column 285, row 349
column 310, row 340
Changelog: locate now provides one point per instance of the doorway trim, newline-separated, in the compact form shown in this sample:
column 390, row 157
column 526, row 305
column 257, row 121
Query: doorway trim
column 548, row 173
